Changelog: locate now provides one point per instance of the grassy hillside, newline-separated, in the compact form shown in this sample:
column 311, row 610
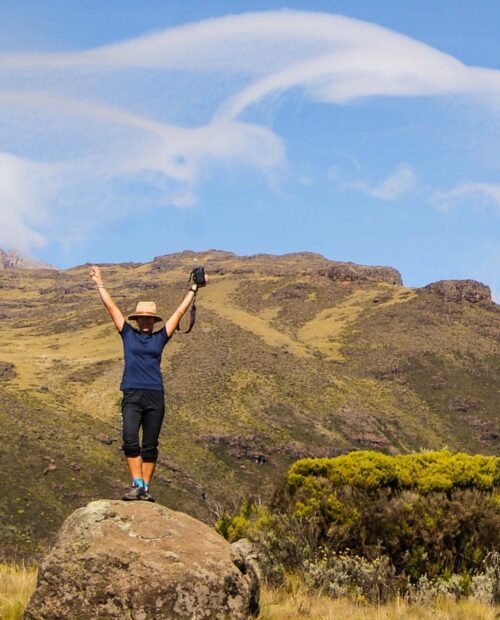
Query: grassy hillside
column 291, row 356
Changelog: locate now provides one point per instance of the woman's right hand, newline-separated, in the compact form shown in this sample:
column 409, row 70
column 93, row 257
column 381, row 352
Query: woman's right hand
column 95, row 274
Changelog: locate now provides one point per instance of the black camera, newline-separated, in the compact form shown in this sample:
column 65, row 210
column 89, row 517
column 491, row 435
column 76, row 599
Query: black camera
column 198, row 276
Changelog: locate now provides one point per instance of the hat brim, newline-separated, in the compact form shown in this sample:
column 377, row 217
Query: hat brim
column 137, row 315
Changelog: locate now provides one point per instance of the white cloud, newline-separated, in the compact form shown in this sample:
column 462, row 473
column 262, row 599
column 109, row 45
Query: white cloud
column 165, row 110
column 401, row 181
column 81, row 192
column 471, row 192
column 22, row 184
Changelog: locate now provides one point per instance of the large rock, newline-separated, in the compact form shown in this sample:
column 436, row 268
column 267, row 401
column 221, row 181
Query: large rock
column 142, row 561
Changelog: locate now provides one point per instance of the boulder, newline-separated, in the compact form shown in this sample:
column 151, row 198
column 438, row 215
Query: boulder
column 142, row 561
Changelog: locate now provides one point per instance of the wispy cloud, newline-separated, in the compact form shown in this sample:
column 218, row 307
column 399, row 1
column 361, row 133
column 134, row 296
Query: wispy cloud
column 471, row 192
column 401, row 181
column 23, row 186
column 168, row 109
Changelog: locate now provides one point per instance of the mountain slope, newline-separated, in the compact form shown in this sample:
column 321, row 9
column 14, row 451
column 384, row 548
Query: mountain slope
column 291, row 356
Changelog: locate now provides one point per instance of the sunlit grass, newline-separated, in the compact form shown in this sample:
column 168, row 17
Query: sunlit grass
column 294, row 602
column 326, row 330
column 17, row 583
column 219, row 298
column 291, row 602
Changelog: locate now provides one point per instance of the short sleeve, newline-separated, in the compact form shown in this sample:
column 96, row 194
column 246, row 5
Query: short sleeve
column 125, row 329
column 162, row 336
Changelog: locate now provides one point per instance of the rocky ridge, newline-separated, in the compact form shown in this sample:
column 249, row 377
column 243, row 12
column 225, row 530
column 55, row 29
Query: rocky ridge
column 295, row 264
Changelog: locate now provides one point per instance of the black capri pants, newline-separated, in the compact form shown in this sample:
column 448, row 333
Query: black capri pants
column 146, row 409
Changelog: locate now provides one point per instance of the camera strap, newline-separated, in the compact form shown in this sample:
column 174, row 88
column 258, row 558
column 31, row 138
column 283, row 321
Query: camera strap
column 192, row 316
column 192, row 312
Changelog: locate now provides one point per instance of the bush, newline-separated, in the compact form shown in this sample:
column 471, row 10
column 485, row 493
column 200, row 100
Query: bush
column 429, row 516
column 342, row 575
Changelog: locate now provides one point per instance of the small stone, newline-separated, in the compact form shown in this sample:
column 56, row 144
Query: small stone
column 104, row 439
column 50, row 467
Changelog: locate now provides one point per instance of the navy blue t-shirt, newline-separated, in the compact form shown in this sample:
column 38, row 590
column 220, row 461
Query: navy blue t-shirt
column 142, row 359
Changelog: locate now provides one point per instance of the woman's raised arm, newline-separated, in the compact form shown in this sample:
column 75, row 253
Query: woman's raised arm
column 109, row 304
column 173, row 322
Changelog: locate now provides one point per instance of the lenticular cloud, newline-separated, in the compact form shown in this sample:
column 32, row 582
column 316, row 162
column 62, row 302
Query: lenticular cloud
column 168, row 109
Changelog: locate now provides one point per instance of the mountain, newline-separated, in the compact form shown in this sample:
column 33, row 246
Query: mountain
column 291, row 355
column 14, row 260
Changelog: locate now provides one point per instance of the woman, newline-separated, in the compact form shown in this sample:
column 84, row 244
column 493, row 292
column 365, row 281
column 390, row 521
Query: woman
column 143, row 404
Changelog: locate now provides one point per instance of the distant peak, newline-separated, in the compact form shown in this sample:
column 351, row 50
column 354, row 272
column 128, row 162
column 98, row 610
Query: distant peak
column 11, row 259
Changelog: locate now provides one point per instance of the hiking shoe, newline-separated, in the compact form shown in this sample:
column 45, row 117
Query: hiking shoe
column 147, row 497
column 133, row 493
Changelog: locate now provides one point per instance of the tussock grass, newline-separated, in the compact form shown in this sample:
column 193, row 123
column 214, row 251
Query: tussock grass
column 17, row 584
column 294, row 602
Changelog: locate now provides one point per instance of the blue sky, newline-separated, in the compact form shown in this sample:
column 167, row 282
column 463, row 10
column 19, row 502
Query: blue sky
column 365, row 131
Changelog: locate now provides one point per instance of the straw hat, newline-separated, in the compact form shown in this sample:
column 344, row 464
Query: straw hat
column 145, row 308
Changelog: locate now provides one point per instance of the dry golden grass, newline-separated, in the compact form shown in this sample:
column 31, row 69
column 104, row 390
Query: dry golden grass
column 218, row 298
column 293, row 602
column 326, row 330
column 17, row 584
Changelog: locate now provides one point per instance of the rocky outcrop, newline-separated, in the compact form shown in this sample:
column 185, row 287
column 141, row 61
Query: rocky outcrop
column 142, row 561
column 14, row 260
column 248, row 447
column 349, row 272
column 461, row 290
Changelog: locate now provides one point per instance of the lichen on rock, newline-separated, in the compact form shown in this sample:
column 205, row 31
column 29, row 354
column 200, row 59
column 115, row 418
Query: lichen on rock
column 138, row 560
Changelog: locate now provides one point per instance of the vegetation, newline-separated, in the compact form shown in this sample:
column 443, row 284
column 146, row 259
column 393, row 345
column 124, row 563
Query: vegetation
column 17, row 584
column 294, row 601
column 291, row 356
column 372, row 526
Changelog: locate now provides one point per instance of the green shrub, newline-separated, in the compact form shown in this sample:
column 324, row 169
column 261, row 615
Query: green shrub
column 424, row 471
column 430, row 514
